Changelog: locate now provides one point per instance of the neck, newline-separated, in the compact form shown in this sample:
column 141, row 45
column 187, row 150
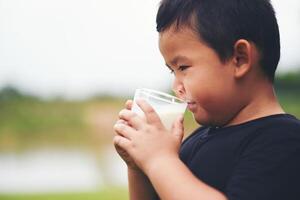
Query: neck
column 263, row 103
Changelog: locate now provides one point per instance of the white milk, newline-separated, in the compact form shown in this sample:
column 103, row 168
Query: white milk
column 168, row 107
column 167, row 114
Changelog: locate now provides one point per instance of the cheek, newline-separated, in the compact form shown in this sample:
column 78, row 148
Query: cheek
column 214, row 107
column 205, row 87
column 213, row 90
column 212, row 94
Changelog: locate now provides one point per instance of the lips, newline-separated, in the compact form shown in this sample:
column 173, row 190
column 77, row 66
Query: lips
column 192, row 106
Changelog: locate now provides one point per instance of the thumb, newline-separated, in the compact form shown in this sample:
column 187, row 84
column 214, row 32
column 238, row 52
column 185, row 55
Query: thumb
column 178, row 129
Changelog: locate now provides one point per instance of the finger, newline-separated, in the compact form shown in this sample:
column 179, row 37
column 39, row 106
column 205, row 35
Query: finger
column 132, row 118
column 178, row 128
column 128, row 104
column 122, row 142
column 121, row 121
column 151, row 116
column 124, row 130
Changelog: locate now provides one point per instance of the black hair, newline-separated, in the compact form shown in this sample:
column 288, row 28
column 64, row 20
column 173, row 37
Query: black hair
column 220, row 23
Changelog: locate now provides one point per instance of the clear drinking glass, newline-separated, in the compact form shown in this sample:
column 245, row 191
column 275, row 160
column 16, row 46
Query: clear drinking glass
column 167, row 107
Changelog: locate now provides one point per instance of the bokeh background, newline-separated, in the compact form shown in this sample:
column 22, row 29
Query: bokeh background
column 66, row 69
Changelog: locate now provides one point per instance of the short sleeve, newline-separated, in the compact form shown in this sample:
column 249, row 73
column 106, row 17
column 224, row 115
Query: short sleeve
column 267, row 169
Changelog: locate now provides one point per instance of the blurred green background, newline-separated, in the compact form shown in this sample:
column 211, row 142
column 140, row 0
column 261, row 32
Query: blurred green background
column 29, row 124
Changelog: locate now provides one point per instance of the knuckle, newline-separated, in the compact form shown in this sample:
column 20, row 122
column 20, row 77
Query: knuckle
column 119, row 127
column 133, row 114
column 120, row 121
column 159, row 126
column 122, row 127
column 125, row 113
column 150, row 110
column 156, row 120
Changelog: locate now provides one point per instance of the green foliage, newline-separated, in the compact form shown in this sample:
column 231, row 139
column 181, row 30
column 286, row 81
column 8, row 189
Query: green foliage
column 288, row 82
column 290, row 102
column 10, row 93
column 288, row 90
column 106, row 194
column 32, row 121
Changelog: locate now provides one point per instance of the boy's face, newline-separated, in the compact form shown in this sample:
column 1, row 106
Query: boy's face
column 200, row 77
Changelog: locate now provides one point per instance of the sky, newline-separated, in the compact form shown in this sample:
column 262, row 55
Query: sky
column 79, row 48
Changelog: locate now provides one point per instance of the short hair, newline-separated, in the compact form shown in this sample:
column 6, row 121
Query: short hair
column 220, row 23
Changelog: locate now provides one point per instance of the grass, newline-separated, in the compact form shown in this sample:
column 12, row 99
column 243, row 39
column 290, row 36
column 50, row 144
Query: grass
column 25, row 123
column 106, row 194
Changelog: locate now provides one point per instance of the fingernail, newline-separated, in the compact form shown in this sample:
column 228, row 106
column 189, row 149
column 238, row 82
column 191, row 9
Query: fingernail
column 121, row 113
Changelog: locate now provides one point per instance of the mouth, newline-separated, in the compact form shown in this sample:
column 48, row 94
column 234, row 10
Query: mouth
column 191, row 105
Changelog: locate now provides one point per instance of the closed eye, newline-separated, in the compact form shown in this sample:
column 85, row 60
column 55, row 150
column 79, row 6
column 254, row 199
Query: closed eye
column 183, row 67
column 180, row 68
column 170, row 68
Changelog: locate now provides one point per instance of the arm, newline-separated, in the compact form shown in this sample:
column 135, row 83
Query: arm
column 155, row 151
column 140, row 186
column 173, row 180
column 138, row 183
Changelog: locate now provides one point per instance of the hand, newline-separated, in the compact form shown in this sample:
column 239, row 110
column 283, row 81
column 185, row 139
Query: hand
column 146, row 140
column 123, row 154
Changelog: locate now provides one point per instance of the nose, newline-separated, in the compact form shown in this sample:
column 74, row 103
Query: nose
column 178, row 88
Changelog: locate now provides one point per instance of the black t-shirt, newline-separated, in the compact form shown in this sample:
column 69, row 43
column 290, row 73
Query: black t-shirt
column 255, row 160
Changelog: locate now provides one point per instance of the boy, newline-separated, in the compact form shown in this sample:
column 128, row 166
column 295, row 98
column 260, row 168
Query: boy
column 223, row 55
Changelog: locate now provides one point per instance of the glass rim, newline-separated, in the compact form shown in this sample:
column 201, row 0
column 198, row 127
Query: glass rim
column 158, row 95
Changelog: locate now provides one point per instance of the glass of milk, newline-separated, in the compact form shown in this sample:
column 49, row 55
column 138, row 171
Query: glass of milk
column 167, row 107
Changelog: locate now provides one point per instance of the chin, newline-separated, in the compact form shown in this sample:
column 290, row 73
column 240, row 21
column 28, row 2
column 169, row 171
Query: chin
column 201, row 119
column 204, row 120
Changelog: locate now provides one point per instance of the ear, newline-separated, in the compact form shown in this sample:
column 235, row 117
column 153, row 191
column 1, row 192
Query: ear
column 242, row 58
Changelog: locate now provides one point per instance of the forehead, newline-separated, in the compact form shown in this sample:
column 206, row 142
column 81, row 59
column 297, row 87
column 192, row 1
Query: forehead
column 174, row 42
column 173, row 34
column 181, row 37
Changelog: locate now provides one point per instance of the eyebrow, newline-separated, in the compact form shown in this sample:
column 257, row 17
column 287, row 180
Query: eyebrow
column 175, row 60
